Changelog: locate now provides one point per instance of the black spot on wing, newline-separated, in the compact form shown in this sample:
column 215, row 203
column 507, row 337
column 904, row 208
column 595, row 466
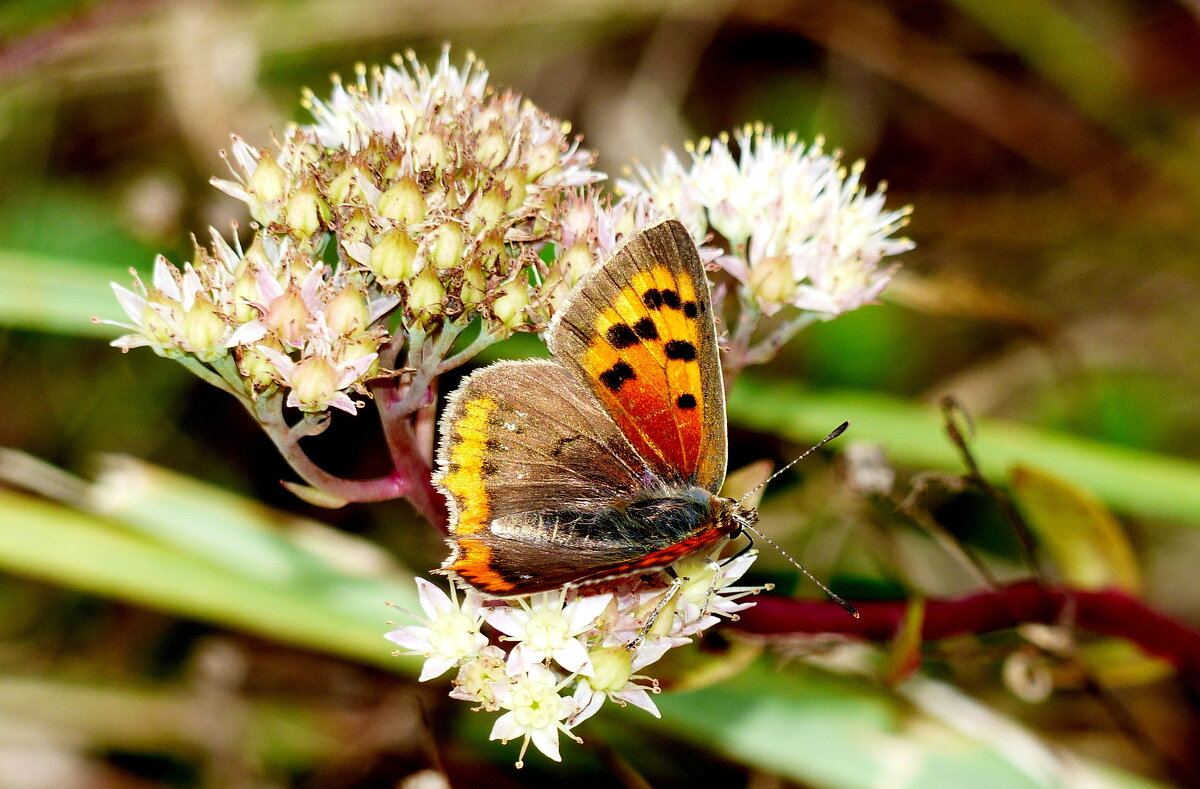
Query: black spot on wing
column 671, row 299
column 616, row 376
column 689, row 309
column 620, row 336
column 681, row 349
column 646, row 329
column 686, row 401
column 653, row 298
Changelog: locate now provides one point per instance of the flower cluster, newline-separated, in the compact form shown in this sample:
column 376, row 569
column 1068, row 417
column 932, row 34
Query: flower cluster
column 799, row 229
column 569, row 650
column 416, row 202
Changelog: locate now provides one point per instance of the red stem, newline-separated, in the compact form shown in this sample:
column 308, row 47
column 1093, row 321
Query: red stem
column 1109, row 612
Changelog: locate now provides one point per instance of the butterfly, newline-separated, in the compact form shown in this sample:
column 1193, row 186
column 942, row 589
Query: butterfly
column 607, row 461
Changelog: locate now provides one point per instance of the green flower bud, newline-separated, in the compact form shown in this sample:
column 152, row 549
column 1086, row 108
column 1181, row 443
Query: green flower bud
column 425, row 294
column 430, row 152
column 611, row 668
column 257, row 370
column 492, row 148
column 345, row 189
column 446, row 245
column 403, row 203
column 269, row 182
column 245, row 292
column 355, row 227
column 541, row 158
column 155, row 326
column 474, row 285
column 363, row 345
column 489, row 209
column 347, row 313
column 305, row 211
column 516, row 185
column 510, row 307
column 576, row 262
column 314, row 382
column 204, row 330
column 394, row 257
column 772, row 281
column 288, row 316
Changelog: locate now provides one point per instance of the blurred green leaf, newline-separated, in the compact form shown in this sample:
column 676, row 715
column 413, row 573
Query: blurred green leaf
column 56, row 295
column 1080, row 535
column 912, row 435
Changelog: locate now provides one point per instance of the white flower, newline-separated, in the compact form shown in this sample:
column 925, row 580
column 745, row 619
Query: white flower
column 546, row 627
column 535, row 712
column 614, row 679
column 450, row 634
column 801, row 230
column 706, row 592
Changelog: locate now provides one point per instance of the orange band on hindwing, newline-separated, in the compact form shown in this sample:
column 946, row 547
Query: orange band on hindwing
column 464, row 468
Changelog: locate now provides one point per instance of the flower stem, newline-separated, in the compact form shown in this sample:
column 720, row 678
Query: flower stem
column 1108, row 612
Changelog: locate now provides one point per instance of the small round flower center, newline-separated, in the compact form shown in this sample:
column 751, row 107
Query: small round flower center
column 547, row 630
column 452, row 634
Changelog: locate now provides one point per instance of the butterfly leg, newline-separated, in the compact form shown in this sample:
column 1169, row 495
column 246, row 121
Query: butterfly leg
column 672, row 590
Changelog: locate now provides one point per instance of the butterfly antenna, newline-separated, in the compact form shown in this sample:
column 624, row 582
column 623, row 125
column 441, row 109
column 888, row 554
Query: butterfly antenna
column 834, row 596
column 837, row 431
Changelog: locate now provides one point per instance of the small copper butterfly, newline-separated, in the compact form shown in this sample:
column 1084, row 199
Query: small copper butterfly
column 607, row 461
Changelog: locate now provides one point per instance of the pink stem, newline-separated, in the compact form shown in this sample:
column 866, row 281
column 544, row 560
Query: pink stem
column 1109, row 612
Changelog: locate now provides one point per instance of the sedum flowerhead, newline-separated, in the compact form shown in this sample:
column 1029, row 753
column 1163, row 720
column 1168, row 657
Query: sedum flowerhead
column 570, row 650
column 439, row 189
column 798, row 228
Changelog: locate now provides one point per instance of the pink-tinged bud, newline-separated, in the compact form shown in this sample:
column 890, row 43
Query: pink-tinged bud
column 492, row 148
column 257, row 370
column 611, row 668
column 446, row 245
column 425, row 294
column 772, row 281
column 403, row 203
column 256, row 256
column 305, row 211
column 347, row 313
column 288, row 316
column 510, row 308
column 269, row 181
column 394, row 258
column 314, row 383
column 204, row 330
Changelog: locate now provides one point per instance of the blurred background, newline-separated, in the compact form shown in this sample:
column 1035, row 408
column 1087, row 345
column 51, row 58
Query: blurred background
column 1051, row 152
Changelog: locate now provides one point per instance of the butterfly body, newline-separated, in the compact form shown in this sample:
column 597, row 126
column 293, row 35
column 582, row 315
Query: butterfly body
column 607, row 461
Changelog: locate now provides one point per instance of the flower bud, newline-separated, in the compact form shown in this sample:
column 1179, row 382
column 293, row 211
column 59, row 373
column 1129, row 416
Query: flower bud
column 541, row 158
column 288, row 316
column 510, row 308
column 363, row 345
column 355, row 227
column 611, row 668
column 347, row 312
column 772, row 282
column 314, row 383
column 576, row 262
column 204, row 330
column 446, row 245
column 403, row 202
column 344, row 188
column 245, row 292
column 492, row 148
column 517, row 187
column 474, row 284
column 489, row 209
column 157, row 328
column 394, row 258
column 305, row 211
column 430, row 152
column 269, row 182
column 257, row 370
column 425, row 294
